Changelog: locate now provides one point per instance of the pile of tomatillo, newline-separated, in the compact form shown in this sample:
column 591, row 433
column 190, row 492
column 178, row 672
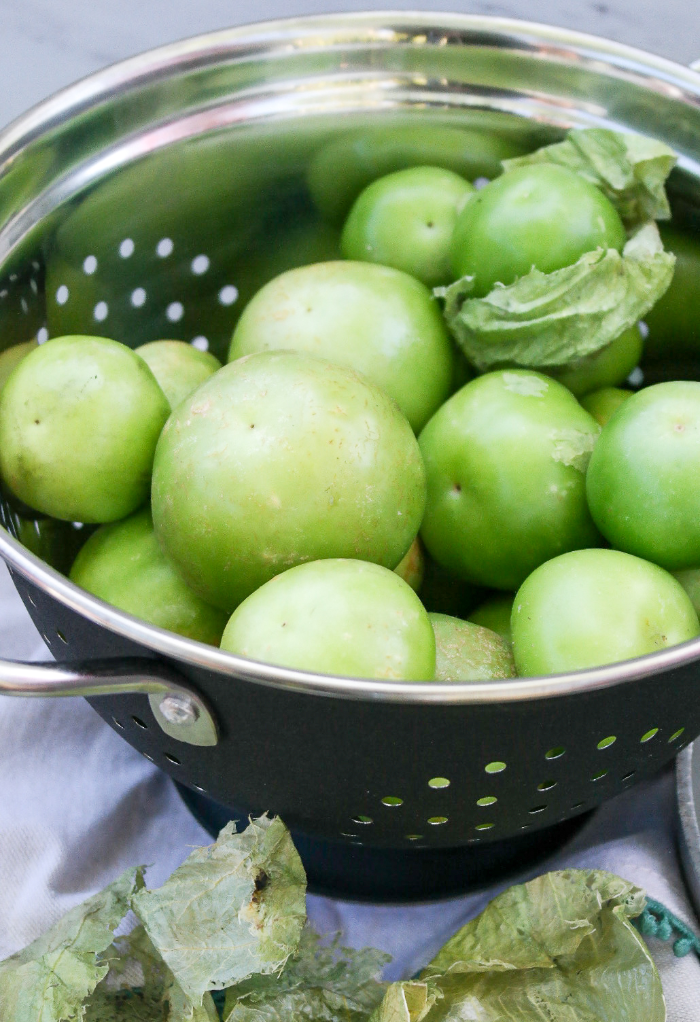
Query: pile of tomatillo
column 422, row 461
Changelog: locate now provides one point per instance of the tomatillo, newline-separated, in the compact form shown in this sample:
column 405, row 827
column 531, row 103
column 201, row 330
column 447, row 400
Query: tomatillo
column 281, row 458
column 337, row 616
column 79, row 421
column 123, row 565
column 644, row 477
column 178, row 367
column 377, row 320
column 541, row 215
column 465, row 651
column 505, row 459
column 406, row 220
column 588, row 608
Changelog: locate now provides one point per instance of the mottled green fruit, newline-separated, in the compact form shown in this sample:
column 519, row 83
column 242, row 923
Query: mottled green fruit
column 607, row 368
column 602, row 404
column 411, row 568
column 406, row 220
column 495, row 613
column 79, row 421
column 281, row 458
column 12, row 357
column 505, row 461
column 541, row 215
column 178, row 367
column 341, row 617
column 123, row 565
column 376, row 320
column 467, row 652
column 588, row 608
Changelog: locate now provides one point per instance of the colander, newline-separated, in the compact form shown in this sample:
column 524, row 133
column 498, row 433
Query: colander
column 149, row 201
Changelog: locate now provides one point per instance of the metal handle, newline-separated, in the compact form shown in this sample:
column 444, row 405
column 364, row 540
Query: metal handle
column 180, row 710
column 695, row 66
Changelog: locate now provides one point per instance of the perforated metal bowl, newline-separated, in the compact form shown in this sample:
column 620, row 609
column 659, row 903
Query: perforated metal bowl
column 138, row 204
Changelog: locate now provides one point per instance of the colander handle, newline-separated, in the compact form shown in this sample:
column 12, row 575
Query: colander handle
column 180, row 710
column 695, row 66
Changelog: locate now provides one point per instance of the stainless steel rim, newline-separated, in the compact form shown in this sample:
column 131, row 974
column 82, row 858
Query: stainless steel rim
column 282, row 36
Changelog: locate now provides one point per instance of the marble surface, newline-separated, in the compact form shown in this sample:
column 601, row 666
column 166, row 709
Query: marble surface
column 47, row 44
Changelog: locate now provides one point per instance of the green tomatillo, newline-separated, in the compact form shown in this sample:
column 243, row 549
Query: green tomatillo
column 79, row 421
column 337, row 616
column 505, row 459
column 542, row 215
column 588, row 608
column 377, row 320
column 644, row 477
column 406, row 220
column 123, row 564
column 281, row 458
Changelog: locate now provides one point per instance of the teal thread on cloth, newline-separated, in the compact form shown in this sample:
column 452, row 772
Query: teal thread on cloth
column 657, row 921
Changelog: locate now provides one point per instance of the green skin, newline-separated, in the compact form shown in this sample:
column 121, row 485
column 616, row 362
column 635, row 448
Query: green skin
column 541, row 216
column 468, row 652
column 689, row 578
column 339, row 617
column 79, row 421
column 494, row 613
column 340, row 171
column 406, row 220
column 411, row 568
column 505, row 459
column 602, row 404
column 674, row 322
column 123, row 565
column 12, row 357
column 281, row 458
column 606, row 368
column 594, row 607
column 377, row 320
column 178, row 367
column 644, row 476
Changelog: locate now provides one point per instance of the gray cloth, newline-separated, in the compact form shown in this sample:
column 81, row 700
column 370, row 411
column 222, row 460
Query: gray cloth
column 78, row 805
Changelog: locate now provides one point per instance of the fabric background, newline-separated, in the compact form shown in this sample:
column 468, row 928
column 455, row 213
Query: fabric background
column 78, row 805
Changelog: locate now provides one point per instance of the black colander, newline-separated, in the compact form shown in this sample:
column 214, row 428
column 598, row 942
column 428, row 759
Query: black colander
column 150, row 201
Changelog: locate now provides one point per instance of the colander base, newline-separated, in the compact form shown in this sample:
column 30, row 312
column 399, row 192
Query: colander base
column 359, row 873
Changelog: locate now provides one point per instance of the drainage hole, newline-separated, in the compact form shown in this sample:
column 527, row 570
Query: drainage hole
column 118, row 723
column 579, row 805
column 676, row 735
column 362, row 819
column 392, row 800
column 171, row 759
column 484, row 826
column 487, row 800
column 555, row 753
column 148, row 756
column 437, row 820
column 546, row 785
column 198, row 787
column 607, row 742
column 629, row 776
column 61, row 636
column 497, row 767
column 140, row 723
column 438, row 782
column 537, row 809
column 600, row 776
column 648, row 735
column 414, row 837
